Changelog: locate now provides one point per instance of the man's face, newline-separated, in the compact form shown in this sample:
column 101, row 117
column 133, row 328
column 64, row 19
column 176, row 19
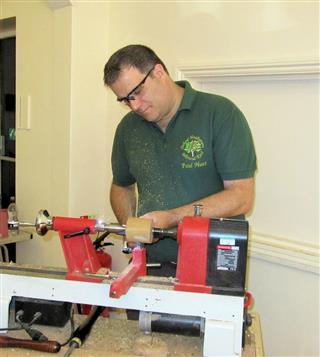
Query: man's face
column 142, row 92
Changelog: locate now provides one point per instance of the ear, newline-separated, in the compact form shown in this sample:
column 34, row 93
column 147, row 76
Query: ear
column 159, row 70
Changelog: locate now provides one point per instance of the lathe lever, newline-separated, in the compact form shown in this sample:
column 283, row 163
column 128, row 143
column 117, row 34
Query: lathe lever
column 79, row 233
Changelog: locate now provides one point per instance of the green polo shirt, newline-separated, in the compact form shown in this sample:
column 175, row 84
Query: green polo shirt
column 206, row 142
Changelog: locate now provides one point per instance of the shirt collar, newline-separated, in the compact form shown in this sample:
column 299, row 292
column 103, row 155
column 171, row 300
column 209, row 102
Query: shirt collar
column 188, row 96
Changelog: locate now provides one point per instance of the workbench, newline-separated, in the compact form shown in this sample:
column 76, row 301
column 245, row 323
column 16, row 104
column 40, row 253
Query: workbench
column 116, row 336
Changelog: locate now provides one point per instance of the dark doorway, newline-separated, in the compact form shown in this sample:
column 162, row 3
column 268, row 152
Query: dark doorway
column 8, row 116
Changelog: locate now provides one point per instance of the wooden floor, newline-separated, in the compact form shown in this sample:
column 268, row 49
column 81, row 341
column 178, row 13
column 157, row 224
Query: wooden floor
column 117, row 336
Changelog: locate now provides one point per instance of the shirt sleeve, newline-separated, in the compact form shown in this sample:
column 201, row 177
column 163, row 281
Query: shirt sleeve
column 233, row 145
column 119, row 159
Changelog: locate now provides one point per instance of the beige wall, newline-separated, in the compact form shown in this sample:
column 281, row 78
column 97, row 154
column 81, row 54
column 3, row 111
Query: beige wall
column 284, row 249
column 42, row 75
column 288, row 302
column 63, row 161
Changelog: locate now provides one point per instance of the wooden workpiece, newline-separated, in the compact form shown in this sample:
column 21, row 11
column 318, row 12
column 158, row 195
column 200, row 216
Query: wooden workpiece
column 116, row 336
column 139, row 230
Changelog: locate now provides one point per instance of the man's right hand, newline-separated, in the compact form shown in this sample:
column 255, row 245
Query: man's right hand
column 163, row 219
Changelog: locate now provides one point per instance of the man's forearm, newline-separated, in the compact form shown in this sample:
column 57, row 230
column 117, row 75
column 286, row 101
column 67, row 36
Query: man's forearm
column 123, row 202
column 235, row 199
column 227, row 203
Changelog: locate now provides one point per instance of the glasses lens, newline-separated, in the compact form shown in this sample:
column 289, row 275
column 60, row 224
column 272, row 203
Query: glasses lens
column 136, row 90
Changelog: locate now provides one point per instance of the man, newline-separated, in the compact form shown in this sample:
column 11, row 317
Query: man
column 178, row 146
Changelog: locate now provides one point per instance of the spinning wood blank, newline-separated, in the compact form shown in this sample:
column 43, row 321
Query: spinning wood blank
column 139, row 230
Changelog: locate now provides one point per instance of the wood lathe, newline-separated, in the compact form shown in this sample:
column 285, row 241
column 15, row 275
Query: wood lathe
column 207, row 297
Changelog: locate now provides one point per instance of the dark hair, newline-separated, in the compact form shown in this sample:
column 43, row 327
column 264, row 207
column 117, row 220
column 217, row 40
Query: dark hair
column 141, row 57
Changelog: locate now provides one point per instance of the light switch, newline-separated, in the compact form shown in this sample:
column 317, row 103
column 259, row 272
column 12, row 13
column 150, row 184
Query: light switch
column 24, row 113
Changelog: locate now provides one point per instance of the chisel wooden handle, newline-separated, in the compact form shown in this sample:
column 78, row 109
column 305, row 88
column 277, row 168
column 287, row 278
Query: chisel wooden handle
column 44, row 346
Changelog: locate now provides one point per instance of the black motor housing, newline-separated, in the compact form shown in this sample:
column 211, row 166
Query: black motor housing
column 227, row 256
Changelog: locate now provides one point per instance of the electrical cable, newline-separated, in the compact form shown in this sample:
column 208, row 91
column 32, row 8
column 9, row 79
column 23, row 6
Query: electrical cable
column 71, row 328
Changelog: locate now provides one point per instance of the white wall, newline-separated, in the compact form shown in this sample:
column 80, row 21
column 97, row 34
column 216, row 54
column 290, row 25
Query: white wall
column 63, row 162
column 282, row 112
column 42, row 149
column 89, row 152
column 288, row 302
column 283, row 116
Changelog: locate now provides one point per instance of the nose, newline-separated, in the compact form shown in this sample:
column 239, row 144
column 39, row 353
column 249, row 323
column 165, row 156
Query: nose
column 135, row 104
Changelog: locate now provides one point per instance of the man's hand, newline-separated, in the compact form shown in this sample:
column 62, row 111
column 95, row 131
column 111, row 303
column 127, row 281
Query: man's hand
column 162, row 219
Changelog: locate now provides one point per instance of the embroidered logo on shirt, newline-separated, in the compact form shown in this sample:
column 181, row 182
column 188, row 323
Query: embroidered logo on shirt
column 192, row 148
